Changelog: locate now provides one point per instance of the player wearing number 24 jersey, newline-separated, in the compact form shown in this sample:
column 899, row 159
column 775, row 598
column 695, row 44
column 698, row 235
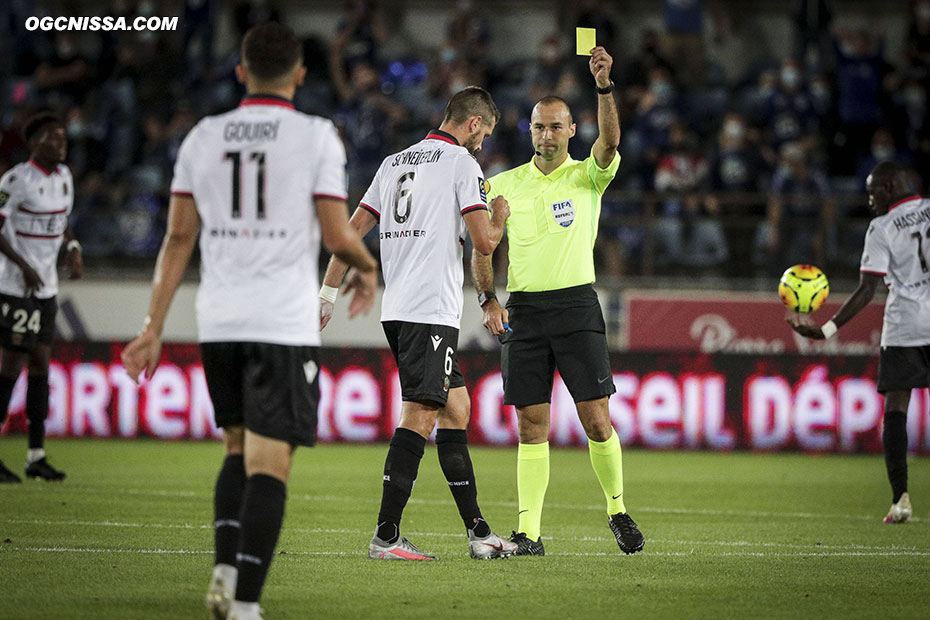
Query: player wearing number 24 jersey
column 426, row 198
column 35, row 201
column 897, row 250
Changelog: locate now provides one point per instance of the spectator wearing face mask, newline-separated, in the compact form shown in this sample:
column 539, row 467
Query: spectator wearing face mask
column 689, row 232
column 861, row 71
column 736, row 169
column 655, row 111
column 883, row 149
column 788, row 113
column 800, row 225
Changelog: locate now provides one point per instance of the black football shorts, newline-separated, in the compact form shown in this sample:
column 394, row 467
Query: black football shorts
column 426, row 360
column 903, row 368
column 27, row 321
column 561, row 329
column 271, row 389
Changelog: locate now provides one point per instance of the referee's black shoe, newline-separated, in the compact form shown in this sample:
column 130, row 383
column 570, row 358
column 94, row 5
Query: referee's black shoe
column 6, row 475
column 526, row 545
column 42, row 469
column 628, row 535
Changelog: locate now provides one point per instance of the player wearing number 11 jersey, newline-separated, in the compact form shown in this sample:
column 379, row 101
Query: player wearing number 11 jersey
column 426, row 198
column 260, row 186
column 897, row 250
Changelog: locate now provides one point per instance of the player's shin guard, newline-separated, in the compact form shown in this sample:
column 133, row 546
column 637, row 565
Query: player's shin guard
column 532, row 482
column 400, row 473
column 894, row 442
column 36, row 409
column 452, row 448
column 607, row 462
column 6, row 391
column 227, row 504
column 261, row 517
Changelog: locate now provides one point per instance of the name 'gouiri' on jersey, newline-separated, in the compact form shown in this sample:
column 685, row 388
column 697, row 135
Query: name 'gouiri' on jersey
column 254, row 173
column 420, row 196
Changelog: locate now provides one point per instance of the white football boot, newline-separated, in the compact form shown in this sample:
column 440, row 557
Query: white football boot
column 244, row 611
column 490, row 547
column 222, row 590
column 899, row 512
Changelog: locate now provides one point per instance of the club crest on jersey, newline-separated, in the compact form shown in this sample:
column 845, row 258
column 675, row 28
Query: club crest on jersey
column 564, row 213
column 483, row 188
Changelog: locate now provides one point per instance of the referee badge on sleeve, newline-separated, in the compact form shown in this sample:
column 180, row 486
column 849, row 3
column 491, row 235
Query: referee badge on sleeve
column 564, row 213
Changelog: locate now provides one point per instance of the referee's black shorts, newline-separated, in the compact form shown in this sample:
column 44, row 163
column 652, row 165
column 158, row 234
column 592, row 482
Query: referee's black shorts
column 561, row 329
column 903, row 368
column 271, row 389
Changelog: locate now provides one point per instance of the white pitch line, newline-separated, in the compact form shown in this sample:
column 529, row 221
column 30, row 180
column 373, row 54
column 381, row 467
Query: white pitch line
column 754, row 514
column 361, row 554
column 151, row 551
column 813, row 547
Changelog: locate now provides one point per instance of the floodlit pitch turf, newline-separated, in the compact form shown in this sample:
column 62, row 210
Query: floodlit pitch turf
column 727, row 536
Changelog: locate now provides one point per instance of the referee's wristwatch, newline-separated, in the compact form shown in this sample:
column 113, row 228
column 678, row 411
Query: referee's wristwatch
column 485, row 296
column 606, row 90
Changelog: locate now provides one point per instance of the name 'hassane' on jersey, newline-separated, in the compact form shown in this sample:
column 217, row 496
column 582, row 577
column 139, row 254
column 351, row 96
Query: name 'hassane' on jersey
column 897, row 246
column 254, row 173
column 35, row 204
column 419, row 197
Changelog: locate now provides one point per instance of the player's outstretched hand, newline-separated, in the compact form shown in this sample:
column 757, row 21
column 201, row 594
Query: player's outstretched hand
column 362, row 285
column 600, row 64
column 326, row 312
column 143, row 353
column 31, row 280
column 797, row 323
column 75, row 262
column 495, row 317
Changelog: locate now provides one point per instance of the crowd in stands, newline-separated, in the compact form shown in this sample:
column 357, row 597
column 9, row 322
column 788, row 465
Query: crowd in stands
column 721, row 174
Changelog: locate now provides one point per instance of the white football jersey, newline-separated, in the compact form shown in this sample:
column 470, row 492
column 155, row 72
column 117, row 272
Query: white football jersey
column 897, row 246
column 254, row 173
column 35, row 204
column 419, row 197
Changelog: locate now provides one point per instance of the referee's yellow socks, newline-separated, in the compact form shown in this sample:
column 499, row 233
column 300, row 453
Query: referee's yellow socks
column 532, row 481
column 608, row 465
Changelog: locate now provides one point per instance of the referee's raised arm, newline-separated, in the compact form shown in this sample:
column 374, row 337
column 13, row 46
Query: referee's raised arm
column 608, row 120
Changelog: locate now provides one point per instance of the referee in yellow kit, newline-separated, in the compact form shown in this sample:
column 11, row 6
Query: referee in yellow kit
column 555, row 320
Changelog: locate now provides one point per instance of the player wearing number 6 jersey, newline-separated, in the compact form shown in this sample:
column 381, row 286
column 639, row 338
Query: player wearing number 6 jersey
column 262, row 185
column 426, row 198
column 897, row 250
column 35, row 200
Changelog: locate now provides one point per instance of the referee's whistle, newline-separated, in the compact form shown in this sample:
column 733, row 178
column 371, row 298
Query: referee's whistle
column 507, row 328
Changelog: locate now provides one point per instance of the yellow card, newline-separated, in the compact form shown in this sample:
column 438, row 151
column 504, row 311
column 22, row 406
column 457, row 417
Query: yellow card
column 585, row 41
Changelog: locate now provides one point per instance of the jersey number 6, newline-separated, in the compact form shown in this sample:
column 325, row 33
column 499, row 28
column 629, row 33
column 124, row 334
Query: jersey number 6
column 404, row 194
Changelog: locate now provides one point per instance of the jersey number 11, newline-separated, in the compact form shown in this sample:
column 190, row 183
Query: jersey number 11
column 236, row 158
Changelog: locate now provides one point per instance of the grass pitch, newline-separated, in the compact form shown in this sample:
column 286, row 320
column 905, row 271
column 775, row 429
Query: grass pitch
column 739, row 535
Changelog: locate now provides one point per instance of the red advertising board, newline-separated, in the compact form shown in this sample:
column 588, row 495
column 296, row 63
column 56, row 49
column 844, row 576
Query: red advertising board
column 728, row 322
column 664, row 400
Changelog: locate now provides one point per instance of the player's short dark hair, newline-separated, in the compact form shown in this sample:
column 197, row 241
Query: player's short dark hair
column 554, row 99
column 270, row 51
column 37, row 122
column 471, row 101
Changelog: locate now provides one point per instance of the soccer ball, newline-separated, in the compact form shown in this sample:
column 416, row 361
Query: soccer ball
column 803, row 288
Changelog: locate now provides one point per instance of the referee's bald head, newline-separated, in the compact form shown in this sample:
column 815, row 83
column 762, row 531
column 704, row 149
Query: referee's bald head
column 470, row 102
column 550, row 100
